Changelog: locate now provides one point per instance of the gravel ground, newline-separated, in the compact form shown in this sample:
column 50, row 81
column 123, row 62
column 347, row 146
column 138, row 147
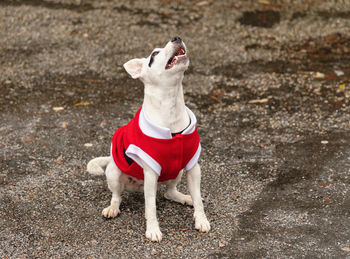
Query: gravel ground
column 269, row 82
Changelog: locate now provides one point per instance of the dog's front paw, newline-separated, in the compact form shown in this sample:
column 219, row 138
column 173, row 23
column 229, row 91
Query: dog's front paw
column 201, row 223
column 110, row 212
column 153, row 232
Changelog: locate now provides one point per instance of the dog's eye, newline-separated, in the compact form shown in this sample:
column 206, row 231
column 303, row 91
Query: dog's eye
column 152, row 57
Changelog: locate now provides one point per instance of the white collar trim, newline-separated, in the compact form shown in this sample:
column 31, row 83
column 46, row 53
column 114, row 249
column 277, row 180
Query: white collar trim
column 152, row 130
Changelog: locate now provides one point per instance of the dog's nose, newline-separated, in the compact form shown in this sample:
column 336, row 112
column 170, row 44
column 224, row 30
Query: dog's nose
column 176, row 39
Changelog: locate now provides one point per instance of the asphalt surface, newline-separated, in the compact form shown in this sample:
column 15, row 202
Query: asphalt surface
column 269, row 82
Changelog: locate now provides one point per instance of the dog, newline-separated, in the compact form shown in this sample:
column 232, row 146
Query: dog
column 159, row 143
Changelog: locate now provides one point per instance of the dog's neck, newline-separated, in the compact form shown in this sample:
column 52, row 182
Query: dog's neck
column 165, row 106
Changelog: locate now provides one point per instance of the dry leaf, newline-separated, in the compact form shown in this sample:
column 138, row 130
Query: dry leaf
column 264, row 2
column 29, row 140
column 64, row 125
column 57, row 109
column 327, row 199
column 319, row 75
column 332, row 37
column 265, row 100
column 203, row 3
column 331, row 77
column 221, row 245
column 59, row 160
column 82, row 104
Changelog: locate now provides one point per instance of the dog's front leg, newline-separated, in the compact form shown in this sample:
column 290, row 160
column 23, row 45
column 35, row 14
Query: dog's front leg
column 150, row 189
column 194, row 182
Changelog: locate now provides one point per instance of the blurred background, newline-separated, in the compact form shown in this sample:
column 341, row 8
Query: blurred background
column 268, row 82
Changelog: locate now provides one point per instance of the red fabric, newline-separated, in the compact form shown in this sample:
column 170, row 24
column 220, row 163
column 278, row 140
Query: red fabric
column 172, row 154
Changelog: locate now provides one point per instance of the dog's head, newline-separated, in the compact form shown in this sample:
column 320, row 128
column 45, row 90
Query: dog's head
column 163, row 65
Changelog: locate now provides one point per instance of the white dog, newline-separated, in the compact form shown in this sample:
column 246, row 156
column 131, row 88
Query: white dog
column 159, row 143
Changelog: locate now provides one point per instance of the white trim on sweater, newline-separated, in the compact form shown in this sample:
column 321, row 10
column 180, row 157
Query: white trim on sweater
column 152, row 130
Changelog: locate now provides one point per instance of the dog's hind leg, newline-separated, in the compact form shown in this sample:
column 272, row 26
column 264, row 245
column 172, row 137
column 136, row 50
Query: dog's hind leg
column 112, row 174
column 174, row 195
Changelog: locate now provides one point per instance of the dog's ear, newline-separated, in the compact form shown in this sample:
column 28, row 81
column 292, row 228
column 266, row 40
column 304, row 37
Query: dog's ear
column 134, row 67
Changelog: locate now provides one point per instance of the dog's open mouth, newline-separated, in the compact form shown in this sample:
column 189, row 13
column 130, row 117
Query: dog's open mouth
column 178, row 55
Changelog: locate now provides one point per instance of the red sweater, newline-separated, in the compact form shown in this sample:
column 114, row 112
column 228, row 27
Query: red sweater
column 166, row 155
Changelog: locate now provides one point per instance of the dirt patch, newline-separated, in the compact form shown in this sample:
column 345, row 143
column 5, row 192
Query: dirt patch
column 265, row 19
column 83, row 7
column 62, row 90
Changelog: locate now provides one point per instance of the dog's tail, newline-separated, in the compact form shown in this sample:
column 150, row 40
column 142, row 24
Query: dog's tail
column 97, row 165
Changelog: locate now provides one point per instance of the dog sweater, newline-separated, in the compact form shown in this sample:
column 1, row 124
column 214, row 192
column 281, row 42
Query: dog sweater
column 167, row 154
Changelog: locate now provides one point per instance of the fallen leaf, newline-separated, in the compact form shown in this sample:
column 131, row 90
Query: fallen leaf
column 29, row 140
column 57, row 109
column 222, row 245
column 82, row 104
column 326, row 199
column 342, row 86
column 264, row 2
column 319, row 75
column 59, row 160
column 31, row 195
column 215, row 98
column 346, row 249
column 265, row 100
column 64, row 125
column 332, row 37
column 202, row 3
column 217, row 94
column 324, row 184
column 331, row 77
column 338, row 102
